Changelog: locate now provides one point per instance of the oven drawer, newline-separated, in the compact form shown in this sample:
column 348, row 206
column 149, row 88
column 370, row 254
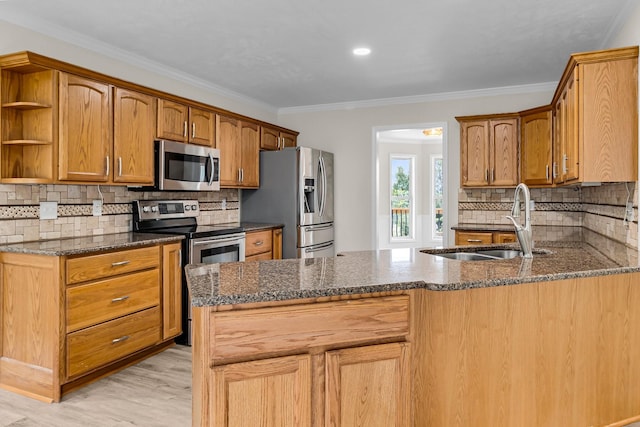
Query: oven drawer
column 99, row 345
column 107, row 299
column 109, row 264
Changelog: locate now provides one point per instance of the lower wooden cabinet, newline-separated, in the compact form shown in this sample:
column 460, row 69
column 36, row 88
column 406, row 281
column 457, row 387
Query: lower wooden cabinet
column 271, row 392
column 263, row 245
column 368, row 386
column 340, row 363
column 68, row 320
column 469, row 238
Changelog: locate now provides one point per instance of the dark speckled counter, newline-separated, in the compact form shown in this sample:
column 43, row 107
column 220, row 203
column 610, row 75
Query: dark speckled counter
column 83, row 245
column 402, row 269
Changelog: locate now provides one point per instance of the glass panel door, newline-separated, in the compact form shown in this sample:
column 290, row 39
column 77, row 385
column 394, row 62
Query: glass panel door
column 402, row 198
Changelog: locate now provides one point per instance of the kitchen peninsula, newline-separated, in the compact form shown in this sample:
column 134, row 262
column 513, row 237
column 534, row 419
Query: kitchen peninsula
column 402, row 337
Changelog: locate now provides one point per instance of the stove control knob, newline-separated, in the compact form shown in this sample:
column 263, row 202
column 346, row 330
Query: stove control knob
column 187, row 207
column 146, row 209
column 194, row 207
column 154, row 209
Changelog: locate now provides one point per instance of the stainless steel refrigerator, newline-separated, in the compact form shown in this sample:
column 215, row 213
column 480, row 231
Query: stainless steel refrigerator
column 296, row 189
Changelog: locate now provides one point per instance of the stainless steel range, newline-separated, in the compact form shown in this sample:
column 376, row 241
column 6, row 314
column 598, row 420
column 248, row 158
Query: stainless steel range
column 206, row 244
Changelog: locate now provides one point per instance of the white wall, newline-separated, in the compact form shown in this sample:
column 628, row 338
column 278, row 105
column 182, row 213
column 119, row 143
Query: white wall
column 14, row 39
column 348, row 134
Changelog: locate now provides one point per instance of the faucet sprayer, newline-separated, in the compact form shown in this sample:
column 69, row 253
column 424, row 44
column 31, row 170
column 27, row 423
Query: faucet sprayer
column 523, row 233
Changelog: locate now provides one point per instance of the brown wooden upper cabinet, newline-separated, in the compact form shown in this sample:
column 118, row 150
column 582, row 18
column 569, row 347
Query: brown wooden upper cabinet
column 183, row 123
column 489, row 150
column 239, row 145
column 595, row 118
column 274, row 139
column 536, row 146
column 85, row 142
column 88, row 150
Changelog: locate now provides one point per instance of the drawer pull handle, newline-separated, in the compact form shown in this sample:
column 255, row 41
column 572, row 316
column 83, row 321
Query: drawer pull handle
column 259, row 243
column 474, row 240
column 124, row 298
column 119, row 263
column 117, row 340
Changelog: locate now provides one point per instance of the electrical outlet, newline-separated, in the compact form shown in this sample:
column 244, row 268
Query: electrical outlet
column 48, row 210
column 97, row 207
column 532, row 205
column 224, row 204
column 629, row 213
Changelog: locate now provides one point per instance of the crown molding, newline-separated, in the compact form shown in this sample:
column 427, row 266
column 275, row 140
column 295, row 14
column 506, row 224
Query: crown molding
column 414, row 99
column 68, row 36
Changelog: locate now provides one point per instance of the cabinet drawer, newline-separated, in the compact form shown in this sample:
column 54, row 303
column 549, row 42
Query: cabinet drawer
column 98, row 302
column 260, row 257
column 258, row 242
column 109, row 264
column 270, row 331
column 470, row 238
column 98, row 345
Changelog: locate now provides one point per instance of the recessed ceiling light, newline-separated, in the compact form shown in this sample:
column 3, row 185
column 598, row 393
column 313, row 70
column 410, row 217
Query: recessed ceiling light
column 361, row 51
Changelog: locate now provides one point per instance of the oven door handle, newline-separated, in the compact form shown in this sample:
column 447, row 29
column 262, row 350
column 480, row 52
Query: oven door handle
column 208, row 242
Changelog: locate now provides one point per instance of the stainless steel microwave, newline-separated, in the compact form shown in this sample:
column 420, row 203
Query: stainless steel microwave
column 186, row 167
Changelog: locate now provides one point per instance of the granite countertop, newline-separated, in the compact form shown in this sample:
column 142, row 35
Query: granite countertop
column 402, row 269
column 257, row 226
column 83, row 245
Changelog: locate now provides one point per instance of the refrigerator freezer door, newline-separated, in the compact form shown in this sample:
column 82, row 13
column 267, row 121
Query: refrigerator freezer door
column 317, row 251
column 315, row 186
column 309, row 235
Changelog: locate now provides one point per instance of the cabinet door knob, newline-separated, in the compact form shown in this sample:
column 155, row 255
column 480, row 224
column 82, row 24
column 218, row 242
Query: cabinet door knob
column 474, row 240
column 117, row 340
column 119, row 263
column 119, row 166
column 547, row 173
column 184, row 129
column 193, row 130
column 124, row 298
column 107, row 168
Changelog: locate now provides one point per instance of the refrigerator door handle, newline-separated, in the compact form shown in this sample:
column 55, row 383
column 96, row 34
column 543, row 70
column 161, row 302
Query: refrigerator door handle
column 323, row 181
column 317, row 248
column 309, row 228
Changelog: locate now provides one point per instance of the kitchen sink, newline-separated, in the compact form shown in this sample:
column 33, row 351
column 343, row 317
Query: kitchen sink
column 480, row 255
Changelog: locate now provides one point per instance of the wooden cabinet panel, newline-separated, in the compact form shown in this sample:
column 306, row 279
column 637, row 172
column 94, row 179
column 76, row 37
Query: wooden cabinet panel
column 228, row 142
column 102, row 265
column 239, row 145
column 273, row 139
column 264, row 256
column 503, row 152
column 257, row 242
column 504, row 238
column 85, row 130
column 134, row 118
column 270, row 393
column 595, row 118
column 250, row 141
column 277, row 243
column 473, row 238
column 257, row 332
column 269, row 138
column 173, row 120
column 536, row 147
column 474, row 146
column 95, row 346
column 171, row 290
column 369, row 386
column 202, row 127
column 103, row 300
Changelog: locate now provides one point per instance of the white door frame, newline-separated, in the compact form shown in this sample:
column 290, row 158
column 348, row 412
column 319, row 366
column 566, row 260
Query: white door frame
column 376, row 173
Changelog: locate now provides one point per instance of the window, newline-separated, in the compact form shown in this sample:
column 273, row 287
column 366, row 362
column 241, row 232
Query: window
column 402, row 200
column 437, row 198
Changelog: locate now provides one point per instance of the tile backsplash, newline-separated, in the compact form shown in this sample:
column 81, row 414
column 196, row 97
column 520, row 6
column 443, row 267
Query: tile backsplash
column 20, row 209
column 600, row 209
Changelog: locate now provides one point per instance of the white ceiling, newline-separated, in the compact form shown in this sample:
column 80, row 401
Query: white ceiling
column 289, row 53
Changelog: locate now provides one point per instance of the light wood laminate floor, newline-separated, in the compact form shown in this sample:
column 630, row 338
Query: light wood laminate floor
column 154, row 392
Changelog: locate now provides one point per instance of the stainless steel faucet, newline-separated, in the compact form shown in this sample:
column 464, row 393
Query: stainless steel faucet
column 524, row 234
